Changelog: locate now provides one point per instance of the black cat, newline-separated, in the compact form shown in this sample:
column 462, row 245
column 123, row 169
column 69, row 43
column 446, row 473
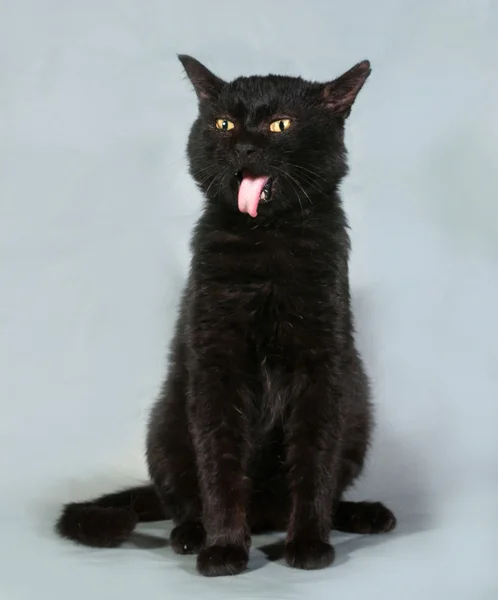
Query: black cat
column 264, row 419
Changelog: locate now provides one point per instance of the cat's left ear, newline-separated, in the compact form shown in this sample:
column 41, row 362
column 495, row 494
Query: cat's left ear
column 340, row 94
column 206, row 84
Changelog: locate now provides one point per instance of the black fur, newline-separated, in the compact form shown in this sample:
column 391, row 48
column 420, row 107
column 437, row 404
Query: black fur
column 264, row 418
column 108, row 521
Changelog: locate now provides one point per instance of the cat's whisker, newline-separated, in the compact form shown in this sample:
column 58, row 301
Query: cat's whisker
column 211, row 184
column 218, row 177
column 220, row 180
column 210, row 168
column 315, row 173
column 206, row 178
column 300, row 186
column 306, row 180
column 293, row 187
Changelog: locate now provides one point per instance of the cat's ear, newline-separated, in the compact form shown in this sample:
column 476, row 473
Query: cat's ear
column 340, row 94
column 206, row 84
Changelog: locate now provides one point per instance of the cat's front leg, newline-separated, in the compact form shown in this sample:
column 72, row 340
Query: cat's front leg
column 313, row 438
column 218, row 408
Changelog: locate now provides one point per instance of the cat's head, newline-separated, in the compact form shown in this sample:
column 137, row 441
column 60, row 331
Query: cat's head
column 269, row 143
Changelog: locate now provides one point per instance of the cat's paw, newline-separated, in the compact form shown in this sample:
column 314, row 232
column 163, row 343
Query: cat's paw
column 309, row 554
column 188, row 538
column 374, row 517
column 382, row 520
column 216, row 561
column 364, row 518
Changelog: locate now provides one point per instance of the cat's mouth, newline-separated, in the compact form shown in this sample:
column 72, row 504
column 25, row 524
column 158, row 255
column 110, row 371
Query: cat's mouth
column 253, row 190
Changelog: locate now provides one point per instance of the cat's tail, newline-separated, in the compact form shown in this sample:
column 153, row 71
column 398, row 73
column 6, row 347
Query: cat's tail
column 108, row 521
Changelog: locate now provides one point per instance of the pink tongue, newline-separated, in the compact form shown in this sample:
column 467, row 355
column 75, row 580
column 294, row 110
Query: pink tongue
column 249, row 193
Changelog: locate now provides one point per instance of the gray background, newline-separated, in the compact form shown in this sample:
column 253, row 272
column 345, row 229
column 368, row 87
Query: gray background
column 96, row 208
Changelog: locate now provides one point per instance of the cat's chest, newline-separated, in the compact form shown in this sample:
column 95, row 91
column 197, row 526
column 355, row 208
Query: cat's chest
column 272, row 255
column 266, row 267
column 273, row 278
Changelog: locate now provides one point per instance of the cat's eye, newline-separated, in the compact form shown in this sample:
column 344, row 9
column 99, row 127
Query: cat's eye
column 224, row 124
column 280, row 125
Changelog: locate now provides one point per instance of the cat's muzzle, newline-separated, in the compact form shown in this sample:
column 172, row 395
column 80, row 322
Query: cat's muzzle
column 267, row 192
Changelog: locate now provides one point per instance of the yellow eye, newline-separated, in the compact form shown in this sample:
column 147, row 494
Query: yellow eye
column 224, row 124
column 280, row 125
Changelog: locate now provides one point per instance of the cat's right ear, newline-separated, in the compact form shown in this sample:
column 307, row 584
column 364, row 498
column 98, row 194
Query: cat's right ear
column 206, row 84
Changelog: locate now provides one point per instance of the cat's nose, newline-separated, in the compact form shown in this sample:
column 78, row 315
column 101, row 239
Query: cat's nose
column 245, row 150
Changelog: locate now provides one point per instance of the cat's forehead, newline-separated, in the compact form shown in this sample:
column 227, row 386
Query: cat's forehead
column 261, row 96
